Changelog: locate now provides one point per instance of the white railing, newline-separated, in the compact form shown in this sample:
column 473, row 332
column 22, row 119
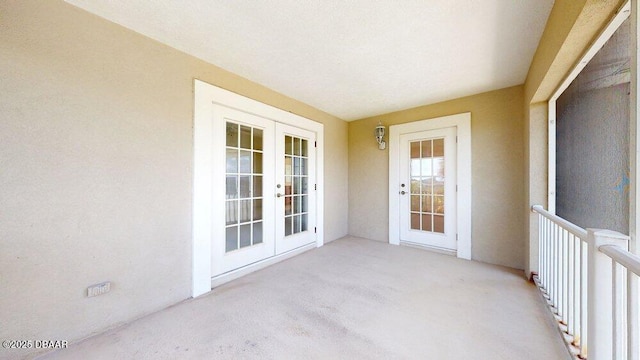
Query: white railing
column 590, row 282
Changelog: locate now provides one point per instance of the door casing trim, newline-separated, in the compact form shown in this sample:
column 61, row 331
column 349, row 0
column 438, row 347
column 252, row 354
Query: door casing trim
column 462, row 123
column 205, row 95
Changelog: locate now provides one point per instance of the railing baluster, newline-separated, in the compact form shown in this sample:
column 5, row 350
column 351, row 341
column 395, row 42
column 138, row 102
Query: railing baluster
column 565, row 278
column 584, row 303
column 570, row 284
column 614, row 309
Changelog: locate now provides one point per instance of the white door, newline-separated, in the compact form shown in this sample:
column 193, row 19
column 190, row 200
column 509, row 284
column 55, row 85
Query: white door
column 268, row 194
column 428, row 188
column 243, row 188
column 295, row 166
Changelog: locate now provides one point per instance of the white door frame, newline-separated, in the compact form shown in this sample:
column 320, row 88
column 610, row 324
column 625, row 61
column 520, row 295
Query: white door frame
column 205, row 96
column 462, row 123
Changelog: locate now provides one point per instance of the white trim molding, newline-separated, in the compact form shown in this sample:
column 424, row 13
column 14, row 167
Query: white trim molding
column 205, row 96
column 462, row 123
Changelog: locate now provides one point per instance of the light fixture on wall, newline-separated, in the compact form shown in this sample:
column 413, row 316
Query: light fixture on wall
column 380, row 136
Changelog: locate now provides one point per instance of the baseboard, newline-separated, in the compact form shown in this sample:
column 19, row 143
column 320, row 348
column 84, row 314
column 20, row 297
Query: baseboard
column 430, row 248
column 234, row 274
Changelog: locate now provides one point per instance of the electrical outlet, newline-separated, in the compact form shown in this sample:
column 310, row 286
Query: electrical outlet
column 99, row 289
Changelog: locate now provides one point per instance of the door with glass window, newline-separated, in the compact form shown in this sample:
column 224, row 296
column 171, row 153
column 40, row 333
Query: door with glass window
column 295, row 187
column 266, row 173
column 428, row 188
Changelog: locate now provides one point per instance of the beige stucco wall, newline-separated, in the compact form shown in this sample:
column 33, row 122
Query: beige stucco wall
column 96, row 127
column 497, row 122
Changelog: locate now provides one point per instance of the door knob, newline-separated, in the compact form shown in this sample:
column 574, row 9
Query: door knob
column 278, row 195
column 402, row 192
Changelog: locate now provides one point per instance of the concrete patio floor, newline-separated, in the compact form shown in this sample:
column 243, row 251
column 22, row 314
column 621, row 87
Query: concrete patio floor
column 350, row 299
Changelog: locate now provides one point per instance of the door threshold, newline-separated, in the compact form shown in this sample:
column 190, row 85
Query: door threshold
column 248, row 269
column 435, row 249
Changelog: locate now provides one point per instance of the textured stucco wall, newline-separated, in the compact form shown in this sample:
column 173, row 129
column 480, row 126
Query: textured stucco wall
column 496, row 175
column 96, row 127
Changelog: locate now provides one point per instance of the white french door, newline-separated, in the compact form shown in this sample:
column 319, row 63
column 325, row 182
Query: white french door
column 295, row 183
column 428, row 188
column 265, row 186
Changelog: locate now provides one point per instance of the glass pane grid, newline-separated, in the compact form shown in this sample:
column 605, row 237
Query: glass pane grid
column 243, row 205
column 296, row 185
column 427, row 185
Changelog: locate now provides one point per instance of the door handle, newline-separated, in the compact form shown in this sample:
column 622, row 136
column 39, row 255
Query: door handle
column 402, row 192
column 278, row 195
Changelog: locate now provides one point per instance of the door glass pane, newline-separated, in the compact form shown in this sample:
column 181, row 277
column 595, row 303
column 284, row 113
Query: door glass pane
column 296, row 166
column 245, row 187
column 245, row 235
column 415, row 202
column 296, row 224
column 257, row 139
column 257, row 186
column 231, row 242
column 287, row 226
column 288, row 145
column 232, row 161
column 245, row 211
column 438, row 224
column 257, row 163
column 427, row 185
column 288, row 205
column 288, row 183
column 297, row 184
column 288, row 165
column 231, row 212
column 257, row 209
column 427, row 222
column 415, row 221
column 245, row 137
column 426, row 204
column 438, row 147
column 257, row 233
column 232, row 134
column 415, row 150
column 426, row 149
column 232, row 187
column 244, row 216
column 245, row 162
column 296, row 146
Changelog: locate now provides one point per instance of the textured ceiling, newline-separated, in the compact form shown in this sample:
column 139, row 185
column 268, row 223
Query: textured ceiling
column 353, row 58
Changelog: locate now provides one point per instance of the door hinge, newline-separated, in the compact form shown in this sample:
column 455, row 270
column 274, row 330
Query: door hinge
column 315, row 230
column 456, row 139
column 315, row 186
column 315, row 144
column 456, row 188
column 456, row 237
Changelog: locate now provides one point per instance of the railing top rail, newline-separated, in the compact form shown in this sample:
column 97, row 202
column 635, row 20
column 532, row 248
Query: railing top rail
column 622, row 257
column 570, row 227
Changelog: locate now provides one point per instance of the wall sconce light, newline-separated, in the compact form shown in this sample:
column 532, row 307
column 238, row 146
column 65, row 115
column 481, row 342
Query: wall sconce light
column 380, row 136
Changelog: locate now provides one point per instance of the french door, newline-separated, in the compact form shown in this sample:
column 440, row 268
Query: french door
column 428, row 188
column 296, row 179
column 267, row 181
